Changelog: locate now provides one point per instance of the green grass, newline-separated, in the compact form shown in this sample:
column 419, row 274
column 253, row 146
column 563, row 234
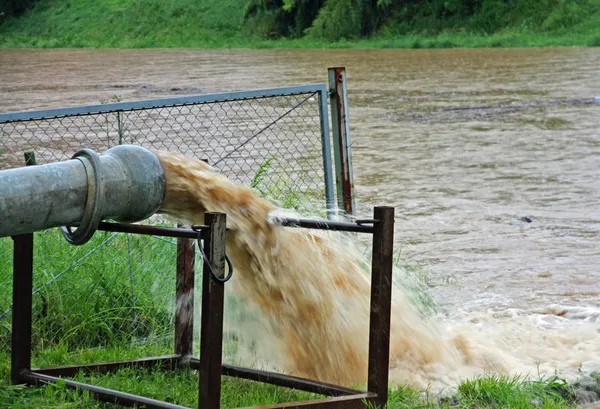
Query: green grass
column 96, row 293
column 219, row 24
column 181, row 387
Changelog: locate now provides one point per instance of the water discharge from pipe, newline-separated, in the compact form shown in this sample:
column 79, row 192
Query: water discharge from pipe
column 312, row 290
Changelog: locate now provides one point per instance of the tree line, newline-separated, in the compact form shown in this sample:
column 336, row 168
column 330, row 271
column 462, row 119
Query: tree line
column 14, row 7
column 350, row 19
column 333, row 20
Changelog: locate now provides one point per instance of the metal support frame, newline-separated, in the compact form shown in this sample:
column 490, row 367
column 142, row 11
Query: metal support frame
column 184, row 297
column 340, row 125
column 211, row 330
column 210, row 362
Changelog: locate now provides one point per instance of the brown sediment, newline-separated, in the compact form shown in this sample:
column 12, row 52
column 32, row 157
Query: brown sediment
column 312, row 289
column 286, row 272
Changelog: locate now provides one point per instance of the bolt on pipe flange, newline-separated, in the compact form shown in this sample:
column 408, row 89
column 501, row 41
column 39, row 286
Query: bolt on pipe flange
column 94, row 202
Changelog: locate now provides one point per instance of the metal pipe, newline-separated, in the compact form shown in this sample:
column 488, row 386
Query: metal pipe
column 126, row 184
column 359, row 226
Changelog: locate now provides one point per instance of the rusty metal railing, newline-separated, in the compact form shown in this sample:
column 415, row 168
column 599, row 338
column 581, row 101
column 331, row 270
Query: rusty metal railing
column 210, row 363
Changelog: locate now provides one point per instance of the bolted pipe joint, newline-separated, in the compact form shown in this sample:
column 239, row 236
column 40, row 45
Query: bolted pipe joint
column 125, row 184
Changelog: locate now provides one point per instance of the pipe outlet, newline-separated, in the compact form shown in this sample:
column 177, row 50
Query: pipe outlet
column 125, row 184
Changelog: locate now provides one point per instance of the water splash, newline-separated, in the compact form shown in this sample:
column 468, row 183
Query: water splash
column 312, row 288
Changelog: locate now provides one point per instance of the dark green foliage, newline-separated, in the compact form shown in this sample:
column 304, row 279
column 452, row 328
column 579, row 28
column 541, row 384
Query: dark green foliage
column 281, row 18
column 338, row 19
column 304, row 23
column 328, row 19
column 333, row 20
column 14, row 7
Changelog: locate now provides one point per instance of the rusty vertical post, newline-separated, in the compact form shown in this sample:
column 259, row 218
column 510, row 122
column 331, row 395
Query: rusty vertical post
column 211, row 330
column 22, row 299
column 341, row 139
column 184, row 295
column 381, row 299
column 184, row 310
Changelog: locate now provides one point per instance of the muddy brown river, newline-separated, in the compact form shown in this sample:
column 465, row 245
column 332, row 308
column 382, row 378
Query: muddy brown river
column 491, row 158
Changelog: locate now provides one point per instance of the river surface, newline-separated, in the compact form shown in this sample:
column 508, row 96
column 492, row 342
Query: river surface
column 491, row 158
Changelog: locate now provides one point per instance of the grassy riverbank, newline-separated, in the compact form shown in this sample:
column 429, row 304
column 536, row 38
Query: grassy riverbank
column 220, row 24
column 181, row 387
column 127, row 283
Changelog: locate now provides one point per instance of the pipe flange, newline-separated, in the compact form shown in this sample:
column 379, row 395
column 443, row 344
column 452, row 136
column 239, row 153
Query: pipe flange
column 94, row 202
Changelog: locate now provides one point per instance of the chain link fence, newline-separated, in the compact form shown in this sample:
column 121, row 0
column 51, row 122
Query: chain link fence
column 118, row 289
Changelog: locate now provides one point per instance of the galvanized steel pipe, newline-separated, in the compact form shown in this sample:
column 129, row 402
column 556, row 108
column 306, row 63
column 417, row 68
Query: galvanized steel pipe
column 125, row 184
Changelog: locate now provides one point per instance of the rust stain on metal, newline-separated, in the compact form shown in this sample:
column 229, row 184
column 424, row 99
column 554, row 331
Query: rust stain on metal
column 184, row 315
column 343, row 138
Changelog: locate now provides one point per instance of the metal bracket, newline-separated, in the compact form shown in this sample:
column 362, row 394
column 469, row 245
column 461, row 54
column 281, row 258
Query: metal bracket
column 207, row 261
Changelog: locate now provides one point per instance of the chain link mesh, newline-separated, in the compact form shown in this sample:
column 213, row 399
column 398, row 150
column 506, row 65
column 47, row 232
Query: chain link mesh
column 119, row 289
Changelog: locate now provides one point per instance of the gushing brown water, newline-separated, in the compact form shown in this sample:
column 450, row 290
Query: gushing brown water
column 313, row 288
column 460, row 179
column 299, row 280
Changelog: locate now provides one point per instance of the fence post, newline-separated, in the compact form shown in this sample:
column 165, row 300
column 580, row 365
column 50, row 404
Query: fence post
column 211, row 329
column 340, row 126
column 184, row 295
column 326, row 152
column 184, row 310
column 381, row 299
column 22, row 299
column 120, row 127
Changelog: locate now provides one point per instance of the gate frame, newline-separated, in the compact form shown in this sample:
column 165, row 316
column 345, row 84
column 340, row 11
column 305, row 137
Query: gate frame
column 115, row 107
column 210, row 363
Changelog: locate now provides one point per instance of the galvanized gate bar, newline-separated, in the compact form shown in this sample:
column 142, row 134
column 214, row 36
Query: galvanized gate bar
column 159, row 103
column 340, row 126
column 326, row 147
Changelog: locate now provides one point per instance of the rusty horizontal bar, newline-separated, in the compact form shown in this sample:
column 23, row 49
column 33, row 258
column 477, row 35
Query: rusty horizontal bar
column 363, row 227
column 153, row 230
column 286, row 381
column 103, row 394
column 165, row 362
column 340, row 402
column 148, row 230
